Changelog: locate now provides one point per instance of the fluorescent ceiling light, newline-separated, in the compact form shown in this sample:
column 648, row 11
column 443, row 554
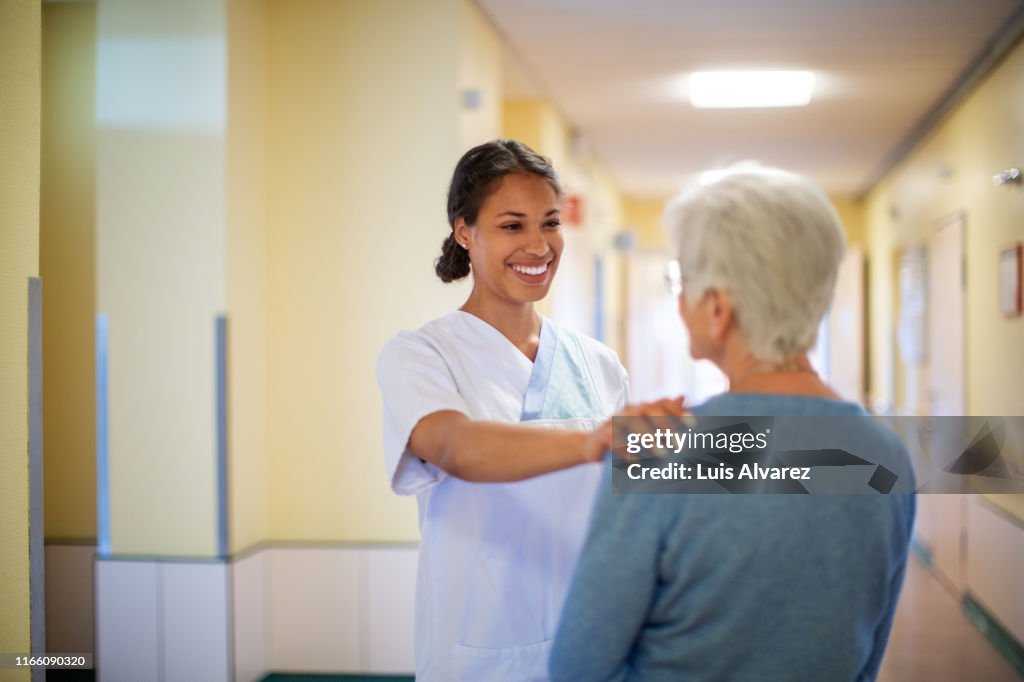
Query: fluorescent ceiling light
column 738, row 89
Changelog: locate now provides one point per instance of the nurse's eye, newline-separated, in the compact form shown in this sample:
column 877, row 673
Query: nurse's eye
column 512, row 226
column 553, row 224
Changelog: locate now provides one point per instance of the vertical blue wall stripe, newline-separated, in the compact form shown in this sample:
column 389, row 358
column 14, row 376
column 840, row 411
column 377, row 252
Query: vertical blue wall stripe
column 36, row 550
column 222, row 435
column 102, row 463
column 598, row 298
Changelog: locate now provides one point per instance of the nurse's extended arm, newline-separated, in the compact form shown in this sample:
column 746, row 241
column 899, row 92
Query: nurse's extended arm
column 492, row 452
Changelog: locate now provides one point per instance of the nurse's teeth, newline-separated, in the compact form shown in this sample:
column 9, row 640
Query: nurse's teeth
column 539, row 270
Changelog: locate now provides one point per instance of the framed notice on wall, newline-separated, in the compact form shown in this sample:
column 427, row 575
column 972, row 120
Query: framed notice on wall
column 1010, row 280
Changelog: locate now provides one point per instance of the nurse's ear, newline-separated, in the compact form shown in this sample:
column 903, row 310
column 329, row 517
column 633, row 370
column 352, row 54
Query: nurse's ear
column 463, row 233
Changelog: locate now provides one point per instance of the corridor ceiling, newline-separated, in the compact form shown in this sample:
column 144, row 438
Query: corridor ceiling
column 613, row 68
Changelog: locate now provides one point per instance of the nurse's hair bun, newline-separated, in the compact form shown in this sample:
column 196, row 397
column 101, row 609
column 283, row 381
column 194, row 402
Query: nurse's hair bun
column 454, row 261
column 476, row 176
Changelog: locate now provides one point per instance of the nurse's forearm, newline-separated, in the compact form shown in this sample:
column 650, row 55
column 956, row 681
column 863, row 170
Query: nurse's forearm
column 493, row 452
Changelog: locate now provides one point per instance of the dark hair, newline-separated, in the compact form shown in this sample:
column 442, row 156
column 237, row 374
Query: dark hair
column 475, row 178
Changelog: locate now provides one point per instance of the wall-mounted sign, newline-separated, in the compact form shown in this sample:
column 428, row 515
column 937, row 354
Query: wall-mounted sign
column 573, row 210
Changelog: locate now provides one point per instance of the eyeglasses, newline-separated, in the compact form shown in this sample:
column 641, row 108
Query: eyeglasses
column 674, row 277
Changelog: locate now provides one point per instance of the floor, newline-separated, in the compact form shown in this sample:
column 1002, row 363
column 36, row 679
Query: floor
column 933, row 639
column 90, row 676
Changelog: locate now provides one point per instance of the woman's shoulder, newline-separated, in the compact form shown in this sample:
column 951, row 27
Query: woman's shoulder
column 756, row 404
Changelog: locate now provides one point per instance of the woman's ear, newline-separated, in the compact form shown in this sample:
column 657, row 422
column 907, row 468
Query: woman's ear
column 463, row 233
column 720, row 314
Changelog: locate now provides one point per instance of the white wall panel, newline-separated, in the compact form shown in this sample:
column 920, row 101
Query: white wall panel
column 995, row 564
column 249, row 603
column 127, row 613
column 194, row 610
column 314, row 609
column 391, row 590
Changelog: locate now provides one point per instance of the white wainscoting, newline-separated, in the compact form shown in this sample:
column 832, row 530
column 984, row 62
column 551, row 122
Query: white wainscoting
column 162, row 620
column 194, row 611
column 391, row 590
column 315, row 609
column 344, row 609
column 995, row 564
column 249, row 616
column 318, row 609
column 127, row 617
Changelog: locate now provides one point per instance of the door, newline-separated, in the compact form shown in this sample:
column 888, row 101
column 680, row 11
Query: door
column 946, row 318
column 946, row 279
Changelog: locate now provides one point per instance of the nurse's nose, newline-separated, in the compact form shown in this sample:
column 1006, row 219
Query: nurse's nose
column 537, row 244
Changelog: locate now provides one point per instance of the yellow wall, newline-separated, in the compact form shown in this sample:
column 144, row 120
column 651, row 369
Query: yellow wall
column 538, row 125
column 479, row 71
column 951, row 171
column 358, row 167
column 247, row 273
column 644, row 217
column 851, row 213
column 20, row 58
column 66, row 262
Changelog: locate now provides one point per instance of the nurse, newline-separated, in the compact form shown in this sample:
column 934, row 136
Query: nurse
column 490, row 417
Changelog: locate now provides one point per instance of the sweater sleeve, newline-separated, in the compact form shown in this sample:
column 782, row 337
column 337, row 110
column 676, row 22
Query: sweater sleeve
column 884, row 627
column 612, row 589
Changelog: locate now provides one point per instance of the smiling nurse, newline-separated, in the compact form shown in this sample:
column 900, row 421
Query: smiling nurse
column 503, row 502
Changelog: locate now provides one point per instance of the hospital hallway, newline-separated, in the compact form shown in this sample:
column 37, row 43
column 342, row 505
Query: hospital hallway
column 220, row 218
column 933, row 638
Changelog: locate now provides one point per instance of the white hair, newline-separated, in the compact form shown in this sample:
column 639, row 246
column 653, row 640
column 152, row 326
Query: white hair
column 772, row 240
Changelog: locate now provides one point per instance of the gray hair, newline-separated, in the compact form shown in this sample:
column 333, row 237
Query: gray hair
column 773, row 241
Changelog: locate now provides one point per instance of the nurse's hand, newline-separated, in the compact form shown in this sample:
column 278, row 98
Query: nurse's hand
column 643, row 417
column 599, row 441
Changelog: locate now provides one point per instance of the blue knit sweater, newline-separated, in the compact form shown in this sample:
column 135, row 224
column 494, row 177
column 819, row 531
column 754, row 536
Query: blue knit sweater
column 740, row 587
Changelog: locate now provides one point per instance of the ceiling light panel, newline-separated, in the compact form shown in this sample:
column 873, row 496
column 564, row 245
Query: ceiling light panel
column 750, row 89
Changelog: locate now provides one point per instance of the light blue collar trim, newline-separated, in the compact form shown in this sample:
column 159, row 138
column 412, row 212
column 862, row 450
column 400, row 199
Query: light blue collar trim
column 536, row 389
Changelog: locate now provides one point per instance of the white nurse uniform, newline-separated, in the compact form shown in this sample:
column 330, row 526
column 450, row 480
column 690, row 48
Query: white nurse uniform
column 495, row 558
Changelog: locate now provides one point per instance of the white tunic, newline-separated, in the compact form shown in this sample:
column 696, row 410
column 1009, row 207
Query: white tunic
column 495, row 558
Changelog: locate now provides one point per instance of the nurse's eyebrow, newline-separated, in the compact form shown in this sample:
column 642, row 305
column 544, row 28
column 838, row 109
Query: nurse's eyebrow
column 516, row 214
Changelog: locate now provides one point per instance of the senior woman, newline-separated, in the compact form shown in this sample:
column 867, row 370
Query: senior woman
column 747, row 587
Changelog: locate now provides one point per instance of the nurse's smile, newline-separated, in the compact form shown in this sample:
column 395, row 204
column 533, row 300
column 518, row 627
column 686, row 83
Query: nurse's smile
column 532, row 273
